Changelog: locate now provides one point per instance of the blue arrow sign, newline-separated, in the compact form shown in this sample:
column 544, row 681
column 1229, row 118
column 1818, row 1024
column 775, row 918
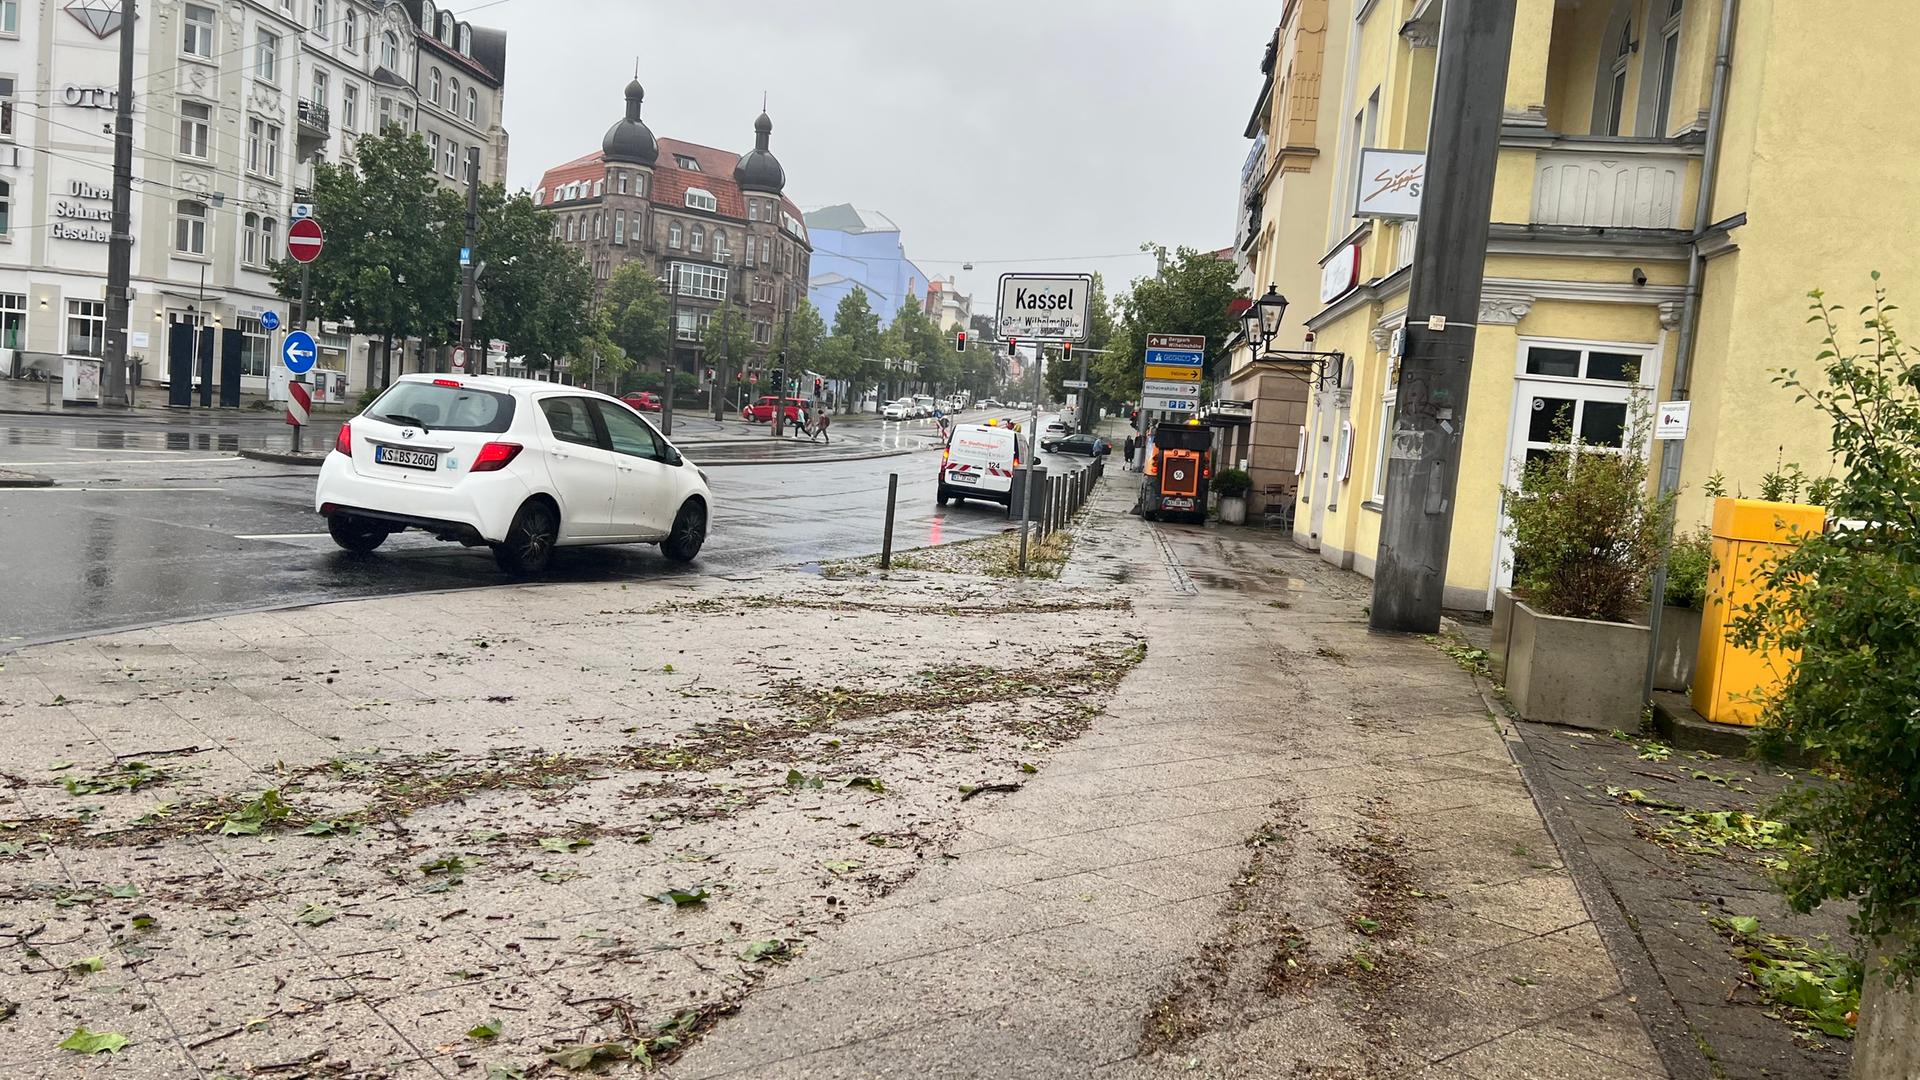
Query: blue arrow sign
column 269, row 320
column 1176, row 356
column 298, row 352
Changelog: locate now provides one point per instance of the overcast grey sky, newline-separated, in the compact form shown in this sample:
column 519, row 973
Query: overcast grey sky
column 993, row 130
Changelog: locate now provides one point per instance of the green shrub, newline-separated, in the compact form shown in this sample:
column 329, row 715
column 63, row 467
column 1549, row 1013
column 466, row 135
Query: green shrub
column 1687, row 567
column 1232, row 483
column 1586, row 532
column 1845, row 603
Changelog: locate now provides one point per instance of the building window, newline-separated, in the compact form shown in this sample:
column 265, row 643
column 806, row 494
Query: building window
column 320, row 27
column 196, row 35
column 452, row 157
column 571, row 230
column 620, row 227
column 433, row 146
column 704, row 282
column 433, row 86
column 753, row 209
column 720, row 251
column 453, row 96
column 596, row 226
column 390, row 51
column 322, row 88
column 762, row 332
column 701, row 199
column 263, row 148
column 697, row 241
column 751, row 261
column 466, row 40
column 350, row 108
column 250, row 240
column 196, row 122
column 406, row 117
column 620, row 182
column 599, row 188
column 640, row 184
column 386, row 113
column 539, row 196
column 350, row 28
column 1617, row 86
column 1389, row 413
column 6, row 214
column 686, row 163
column 1669, row 61
column 13, row 320
column 6, row 107
column 426, row 18
column 255, row 347
column 473, row 106
column 673, row 235
column 266, row 55
column 9, row 16
column 190, row 227
column 87, row 328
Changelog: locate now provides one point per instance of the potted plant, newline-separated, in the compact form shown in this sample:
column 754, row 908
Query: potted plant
column 1232, row 486
column 1587, row 536
column 1688, row 563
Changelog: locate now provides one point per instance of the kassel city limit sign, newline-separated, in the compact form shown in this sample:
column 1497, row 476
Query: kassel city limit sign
column 1044, row 307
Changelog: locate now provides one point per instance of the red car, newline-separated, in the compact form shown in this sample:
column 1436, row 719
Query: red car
column 645, row 401
column 761, row 412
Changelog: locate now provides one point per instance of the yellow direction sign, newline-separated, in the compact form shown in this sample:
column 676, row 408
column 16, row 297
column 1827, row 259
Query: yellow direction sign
column 1175, row 372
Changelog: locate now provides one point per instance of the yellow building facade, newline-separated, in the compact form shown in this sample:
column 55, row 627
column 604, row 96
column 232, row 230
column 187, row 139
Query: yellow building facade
column 1607, row 118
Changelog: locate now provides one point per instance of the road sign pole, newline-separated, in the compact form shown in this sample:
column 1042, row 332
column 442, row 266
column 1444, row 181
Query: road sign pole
column 1033, row 450
column 306, row 291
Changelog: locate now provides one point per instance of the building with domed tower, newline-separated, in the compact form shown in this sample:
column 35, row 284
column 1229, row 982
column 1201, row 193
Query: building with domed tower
column 712, row 225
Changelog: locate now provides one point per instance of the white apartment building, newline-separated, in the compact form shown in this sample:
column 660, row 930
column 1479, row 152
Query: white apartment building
column 234, row 102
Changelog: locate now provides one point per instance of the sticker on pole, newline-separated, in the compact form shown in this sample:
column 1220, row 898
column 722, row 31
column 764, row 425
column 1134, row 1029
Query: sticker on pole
column 298, row 352
column 1672, row 423
column 305, row 238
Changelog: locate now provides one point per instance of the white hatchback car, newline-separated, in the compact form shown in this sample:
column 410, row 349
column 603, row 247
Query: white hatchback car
column 518, row 465
column 898, row 410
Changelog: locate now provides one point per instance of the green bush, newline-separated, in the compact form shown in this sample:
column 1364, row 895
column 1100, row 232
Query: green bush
column 1687, row 567
column 1586, row 533
column 1845, row 602
column 1232, row 483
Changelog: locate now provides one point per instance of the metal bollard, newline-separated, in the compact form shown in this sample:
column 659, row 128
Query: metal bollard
column 886, row 538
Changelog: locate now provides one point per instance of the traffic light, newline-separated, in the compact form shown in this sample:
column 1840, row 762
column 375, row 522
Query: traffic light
column 819, row 386
column 709, row 374
column 1013, row 347
column 960, row 341
column 778, row 379
column 1066, row 350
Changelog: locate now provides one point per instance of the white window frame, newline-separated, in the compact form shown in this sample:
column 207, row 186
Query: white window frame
column 674, row 234
column 702, row 199
column 86, row 311
column 266, row 55
column 1669, row 67
column 390, row 51
column 250, row 239
column 6, row 211
column 699, row 280
column 196, row 132
column 9, row 18
column 697, row 240
column 1389, row 409
column 453, row 95
column 13, row 314
column 473, row 106
column 196, row 35
column 433, row 85
column 620, row 227
column 256, row 348
column 572, row 229
column 720, row 249
column 322, row 87
column 1617, row 80
column 350, row 28
column 319, row 22
column 9, row 89
column 349, row 107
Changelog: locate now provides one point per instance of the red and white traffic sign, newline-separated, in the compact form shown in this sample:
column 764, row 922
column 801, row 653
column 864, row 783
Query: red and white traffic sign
column 305, row 239
column 299, row 404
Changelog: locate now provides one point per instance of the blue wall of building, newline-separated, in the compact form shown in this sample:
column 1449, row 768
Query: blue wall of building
column 876, row 260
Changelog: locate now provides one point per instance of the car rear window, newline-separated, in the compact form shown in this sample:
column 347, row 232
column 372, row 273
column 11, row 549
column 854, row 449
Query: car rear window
column 444, row 408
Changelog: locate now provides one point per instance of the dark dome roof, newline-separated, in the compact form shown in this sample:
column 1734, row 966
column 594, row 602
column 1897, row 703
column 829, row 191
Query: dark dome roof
column 629, row 141
column 759, row 170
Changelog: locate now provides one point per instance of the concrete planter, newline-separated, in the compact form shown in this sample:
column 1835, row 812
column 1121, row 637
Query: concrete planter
column 1502, row 631
column 1579, row 672
column 1233, row 510
column 1679, row 645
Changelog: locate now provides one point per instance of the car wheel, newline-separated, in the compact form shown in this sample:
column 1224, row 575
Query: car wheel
column 356, row 534
column 689, row 532
column 940, row 497
column 530, row 539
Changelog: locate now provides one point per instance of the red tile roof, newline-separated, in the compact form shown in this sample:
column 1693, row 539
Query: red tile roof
column 670, row 181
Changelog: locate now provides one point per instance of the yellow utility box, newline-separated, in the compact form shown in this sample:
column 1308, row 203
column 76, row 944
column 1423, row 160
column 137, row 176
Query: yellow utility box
column 1747, row 534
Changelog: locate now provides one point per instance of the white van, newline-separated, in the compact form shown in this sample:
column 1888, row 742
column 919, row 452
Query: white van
column 978, row 464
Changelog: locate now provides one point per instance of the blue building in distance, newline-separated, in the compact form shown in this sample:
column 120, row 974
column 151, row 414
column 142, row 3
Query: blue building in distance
column 860, row 249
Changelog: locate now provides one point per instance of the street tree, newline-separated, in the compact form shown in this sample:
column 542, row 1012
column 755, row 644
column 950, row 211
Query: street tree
column 391, row 267
column 1192, row 294
column 635, row 315
column 854, row 351
column 806, row 340
column 538, row 290
column 599, row 361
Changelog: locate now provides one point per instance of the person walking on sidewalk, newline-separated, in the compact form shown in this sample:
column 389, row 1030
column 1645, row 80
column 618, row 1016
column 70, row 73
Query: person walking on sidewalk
column 1127, row 465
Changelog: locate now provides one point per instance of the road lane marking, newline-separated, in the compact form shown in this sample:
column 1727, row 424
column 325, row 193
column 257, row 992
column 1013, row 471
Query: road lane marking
column 110, row 490
column 286, row 536
column 118, row 450
column 118, row 461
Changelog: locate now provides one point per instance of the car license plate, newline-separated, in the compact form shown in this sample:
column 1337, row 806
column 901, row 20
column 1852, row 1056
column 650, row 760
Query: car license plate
column 963, row 477
column 1178, row 502
column 412, row 459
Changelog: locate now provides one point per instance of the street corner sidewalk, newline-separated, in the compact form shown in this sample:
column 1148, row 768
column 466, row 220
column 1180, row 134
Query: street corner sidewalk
column 518, row 826
column 1286, row 847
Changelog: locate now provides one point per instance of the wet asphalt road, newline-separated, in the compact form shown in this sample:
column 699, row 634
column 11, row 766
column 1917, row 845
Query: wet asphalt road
column 155, row 522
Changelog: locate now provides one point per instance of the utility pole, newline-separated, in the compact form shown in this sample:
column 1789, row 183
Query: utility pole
column 120, row 240
column 1443, row 302
column 470, row 256
column 671, row 366
column 1086, row 396
column 780, row 384
column 726, row 352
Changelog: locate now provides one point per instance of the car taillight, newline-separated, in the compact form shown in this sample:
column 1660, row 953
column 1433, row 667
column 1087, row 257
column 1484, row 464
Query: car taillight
column 343, row 442
column 455, row 383
column 494, row 456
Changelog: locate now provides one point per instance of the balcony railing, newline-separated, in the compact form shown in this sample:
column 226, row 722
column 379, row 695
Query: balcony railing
column 1633, row 187
column 313, row 115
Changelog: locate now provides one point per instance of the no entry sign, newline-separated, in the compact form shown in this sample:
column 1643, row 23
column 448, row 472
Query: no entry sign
column 305, row 239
